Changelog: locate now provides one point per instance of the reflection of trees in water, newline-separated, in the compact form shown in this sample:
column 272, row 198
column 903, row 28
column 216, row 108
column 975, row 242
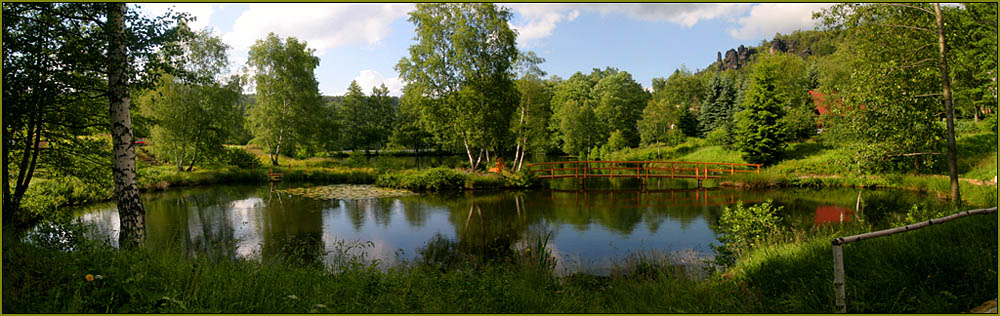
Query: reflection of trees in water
column 197, row 221
column 623, row 210
column 293, row 231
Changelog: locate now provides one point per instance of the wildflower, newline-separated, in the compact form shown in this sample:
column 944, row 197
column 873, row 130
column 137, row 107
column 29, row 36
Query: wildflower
column 319, row 306
column 528, row 250
column 89, row 277
column 98, row 277
column 293, row 297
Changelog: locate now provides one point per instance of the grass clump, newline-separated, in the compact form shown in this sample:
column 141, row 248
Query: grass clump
column 944, row 268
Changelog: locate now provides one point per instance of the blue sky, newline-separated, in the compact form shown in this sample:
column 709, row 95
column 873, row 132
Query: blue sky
column 364, row 42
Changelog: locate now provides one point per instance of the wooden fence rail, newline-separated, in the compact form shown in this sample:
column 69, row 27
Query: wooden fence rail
column 838, row 252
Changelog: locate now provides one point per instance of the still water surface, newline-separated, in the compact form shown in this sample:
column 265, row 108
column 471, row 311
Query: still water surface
column 590, row 230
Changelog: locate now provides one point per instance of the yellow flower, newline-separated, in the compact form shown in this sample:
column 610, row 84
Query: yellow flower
column 528, row 250
column 89, row 277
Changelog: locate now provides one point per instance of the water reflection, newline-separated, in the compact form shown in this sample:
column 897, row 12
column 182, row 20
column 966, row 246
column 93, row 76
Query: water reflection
column 590, row 229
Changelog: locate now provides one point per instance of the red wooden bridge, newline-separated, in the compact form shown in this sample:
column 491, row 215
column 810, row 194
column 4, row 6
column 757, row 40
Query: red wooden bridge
column 639, row 169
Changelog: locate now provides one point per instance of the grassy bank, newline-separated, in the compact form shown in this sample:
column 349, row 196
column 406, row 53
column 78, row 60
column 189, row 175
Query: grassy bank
column 940, row 269
column 450, row 179
column 980, row 194
column 814, row 164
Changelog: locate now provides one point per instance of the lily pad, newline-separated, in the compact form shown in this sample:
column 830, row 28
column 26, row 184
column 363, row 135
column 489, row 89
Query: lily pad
column 346, row 192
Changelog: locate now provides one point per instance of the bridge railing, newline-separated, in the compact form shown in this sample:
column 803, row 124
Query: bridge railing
column 639, row 169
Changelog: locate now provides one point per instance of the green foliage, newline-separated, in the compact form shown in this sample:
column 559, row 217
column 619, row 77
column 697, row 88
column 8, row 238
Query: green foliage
column 800, row 123
column 588, row 108
column 617, row 141
column 288, row 101
column 619, row 103
column 366, row 120
column 922, row 212
column 760, row 134
column 428, row 179
column 192, row 119
column 743, row 228
column 531, row 125
column 884, row 112
column 241, row 158
column 720, row 137
column 54, row 91
column 658, row 118
column 719, row 105
column 461, row 100
column 579, row 127
column 688, row 123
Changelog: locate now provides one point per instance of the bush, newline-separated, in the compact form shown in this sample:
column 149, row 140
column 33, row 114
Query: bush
column 241, row 158
column 800, row 123
column 742, row 228
column 617, row 141
column 719, row 137
column 429, row 179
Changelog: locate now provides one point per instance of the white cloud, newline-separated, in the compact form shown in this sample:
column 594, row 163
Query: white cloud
column 323, row 26
column 202, row 12
column 540, row 19
column 768, row 18
column 369, row 79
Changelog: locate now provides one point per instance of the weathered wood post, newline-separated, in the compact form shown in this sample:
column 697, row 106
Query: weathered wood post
column 838, row 278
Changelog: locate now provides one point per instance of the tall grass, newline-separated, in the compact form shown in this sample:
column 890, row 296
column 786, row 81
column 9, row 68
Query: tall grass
column 944, row 268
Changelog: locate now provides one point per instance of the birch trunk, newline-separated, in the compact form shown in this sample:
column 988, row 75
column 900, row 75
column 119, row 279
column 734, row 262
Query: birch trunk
column 130, row 210
column 949, row 108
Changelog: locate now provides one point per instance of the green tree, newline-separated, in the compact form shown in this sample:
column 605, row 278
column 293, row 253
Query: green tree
column 974, row 60
column 531, row 127
column 408, row 132
column 658, row 118
column 903, row 47
column 287, row 94
column 719, row 104
column 354, row 112
column 461, row 81
column 580, row 129
column 619, row 103
column 759, row 134
column 194, row 117
column 68, row 57
column 382, row 117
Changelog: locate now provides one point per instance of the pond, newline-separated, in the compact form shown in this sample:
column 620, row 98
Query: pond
column 591, row 230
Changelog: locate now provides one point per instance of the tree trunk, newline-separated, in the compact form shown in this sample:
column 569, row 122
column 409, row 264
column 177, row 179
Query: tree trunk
column 130, row 211
column 949, row 108
column 193, row 160
column 468, row 151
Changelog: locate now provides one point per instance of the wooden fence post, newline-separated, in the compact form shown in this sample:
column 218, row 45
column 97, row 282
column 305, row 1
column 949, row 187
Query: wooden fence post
column 838, row 278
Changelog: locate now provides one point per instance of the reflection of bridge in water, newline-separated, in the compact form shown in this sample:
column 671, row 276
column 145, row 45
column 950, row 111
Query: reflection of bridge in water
column 641, row 198
column 639, row 169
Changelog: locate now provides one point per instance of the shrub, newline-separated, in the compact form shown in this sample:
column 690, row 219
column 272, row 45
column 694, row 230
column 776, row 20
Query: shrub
column 429, row 179
column 742, row 228
column 241, row 158
column 719, row 137
column 617, row 141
